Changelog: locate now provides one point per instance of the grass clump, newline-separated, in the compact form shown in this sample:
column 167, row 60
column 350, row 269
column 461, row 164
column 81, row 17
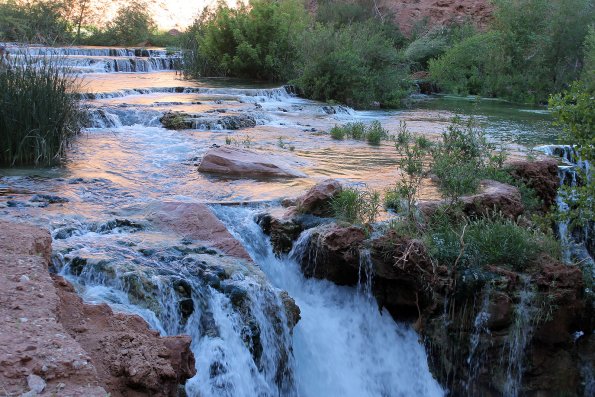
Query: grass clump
column 494, row 240
column 373, row 133
column 39, row 115
column 357, row 206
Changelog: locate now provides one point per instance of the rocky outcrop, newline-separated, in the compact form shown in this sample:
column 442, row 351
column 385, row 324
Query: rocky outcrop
column 541, row 176
column 183, row 121
column 332, row 253
column 317, row 201
column 244, row 163
column 51, row 343
column 130, row 359
column 493, row 196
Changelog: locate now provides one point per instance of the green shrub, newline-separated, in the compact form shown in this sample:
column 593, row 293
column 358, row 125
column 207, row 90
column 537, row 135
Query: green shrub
column 489, row 241
column 338, row 133
column 39, row 116
column 355, row 64
column 375, row 133
column 531, row 51
column 393, row 199
column 461, row 158
column 258, row 41
column 357, row 206
column 36, row 21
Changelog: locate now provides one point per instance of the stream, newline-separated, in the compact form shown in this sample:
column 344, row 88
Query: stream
column 99, row 205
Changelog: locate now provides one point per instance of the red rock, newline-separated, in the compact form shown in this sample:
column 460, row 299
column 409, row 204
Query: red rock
column 197, row 222
column 244, row 163
column 541, row 176
column 317, row 200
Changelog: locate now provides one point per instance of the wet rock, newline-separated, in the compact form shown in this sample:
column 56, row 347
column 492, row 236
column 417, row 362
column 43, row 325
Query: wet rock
column 48, row 198
column 333, row 254
column 292, row 310
column 541, row 176
column 176, row 120
column 500, row 311
column 125, row 352
column 244, row 163
column 317, row 201
column 283, row 231
column 197, row 222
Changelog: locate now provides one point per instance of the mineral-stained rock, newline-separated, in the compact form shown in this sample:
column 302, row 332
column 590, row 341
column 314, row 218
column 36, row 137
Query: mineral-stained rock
column 183, row 121
column 244, row 163
column 541, row 176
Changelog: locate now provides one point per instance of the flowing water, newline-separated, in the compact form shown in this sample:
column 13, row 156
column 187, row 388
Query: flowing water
column 99, row 206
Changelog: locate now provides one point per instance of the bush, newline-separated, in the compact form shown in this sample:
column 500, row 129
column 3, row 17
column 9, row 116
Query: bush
column 37, row 22
column 355, row 64
column 461, row 158
column 489, row 241
column 356, row 206
column 533, row 49
column 133, row 25
column 39, row 116
column 374, row 133
column 258, row 41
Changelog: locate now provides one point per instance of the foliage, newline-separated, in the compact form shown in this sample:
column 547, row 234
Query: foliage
column 575, row 112
column 357, row 206
column 465, row 67
column 258, row 41
column 39, row 116
column 413, row 166
column 534, row 48
column 355, row 64
column 493, row 240
column 132, row 25
column 588, row 74
column 434, row 42
column 373, row 133
column 461, row 158
column 38, row 22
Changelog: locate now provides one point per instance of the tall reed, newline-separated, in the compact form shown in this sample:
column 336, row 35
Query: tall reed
column 39, row 115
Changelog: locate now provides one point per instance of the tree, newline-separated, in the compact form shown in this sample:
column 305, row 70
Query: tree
column 132, row 25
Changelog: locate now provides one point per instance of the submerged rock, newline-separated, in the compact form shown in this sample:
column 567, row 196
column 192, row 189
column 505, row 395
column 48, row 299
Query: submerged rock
column 183, row 121
column 245, row 163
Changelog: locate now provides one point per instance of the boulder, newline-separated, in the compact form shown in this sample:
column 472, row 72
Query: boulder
column 182, row 121
column 317, row 201
column 333, row 253
column 52, row 343
column 493, row 196
column 244, row 163
column 541, row 176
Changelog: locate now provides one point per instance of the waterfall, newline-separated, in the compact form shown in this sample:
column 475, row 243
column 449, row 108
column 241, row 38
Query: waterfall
column 480, row 327
column 518, row 339
column 577, row 241
column 343, row 345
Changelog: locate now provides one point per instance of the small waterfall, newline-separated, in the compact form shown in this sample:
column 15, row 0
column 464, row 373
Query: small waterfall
column 577, row 241
column 343, row 345
column 123, row 117
column 365, row 273
column 240, row 331
column 475, row 359
column 245, row 94
column 518, row 339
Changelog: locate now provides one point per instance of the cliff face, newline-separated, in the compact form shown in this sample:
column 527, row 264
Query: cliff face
column 437, row 12
column 51, row 343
